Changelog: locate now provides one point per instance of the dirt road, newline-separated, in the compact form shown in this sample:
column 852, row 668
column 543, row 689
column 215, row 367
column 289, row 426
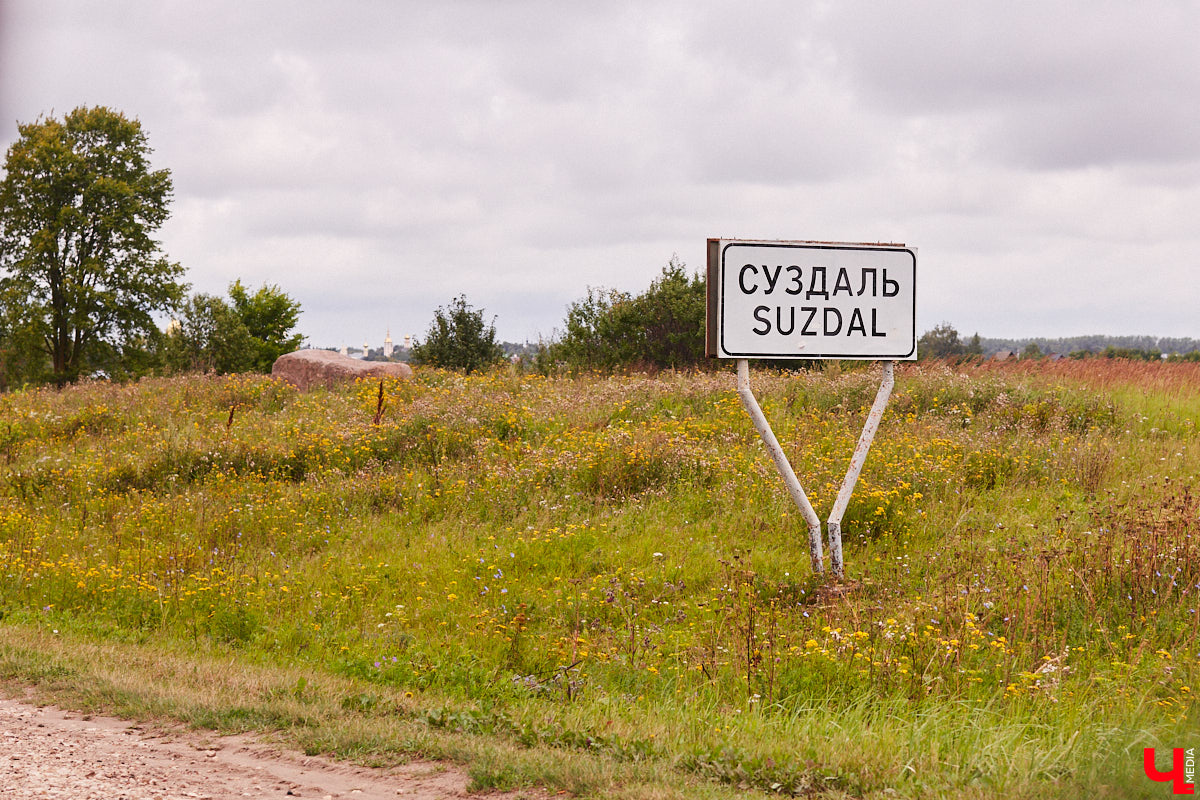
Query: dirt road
column 47, row 753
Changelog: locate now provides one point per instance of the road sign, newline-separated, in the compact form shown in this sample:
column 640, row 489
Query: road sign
column 782, row 299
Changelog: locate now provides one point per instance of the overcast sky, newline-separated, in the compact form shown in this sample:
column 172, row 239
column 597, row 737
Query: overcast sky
column 375, row 159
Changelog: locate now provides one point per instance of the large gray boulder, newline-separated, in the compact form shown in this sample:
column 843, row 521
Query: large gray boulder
column 305, row 369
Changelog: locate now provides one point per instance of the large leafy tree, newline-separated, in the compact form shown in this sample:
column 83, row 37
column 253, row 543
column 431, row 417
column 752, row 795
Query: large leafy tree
column 245, row 334
column 672, row 312
column 458, row 338
column 270, row 317
column 81, row 274
column 941, row 342
column 207, row 337
column 661, row 328
column 603, row 332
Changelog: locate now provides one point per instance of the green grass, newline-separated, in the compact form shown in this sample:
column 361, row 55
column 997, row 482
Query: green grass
column 598, row 584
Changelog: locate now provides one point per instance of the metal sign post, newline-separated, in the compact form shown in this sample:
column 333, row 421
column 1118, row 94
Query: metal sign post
column 817, row 300
column 781, row 463
column 856, row 465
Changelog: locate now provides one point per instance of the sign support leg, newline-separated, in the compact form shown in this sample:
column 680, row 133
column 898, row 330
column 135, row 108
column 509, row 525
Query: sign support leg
column 856, row 465
column 785, row 469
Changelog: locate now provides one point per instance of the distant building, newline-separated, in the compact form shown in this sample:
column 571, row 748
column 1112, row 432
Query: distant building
column 388, row 351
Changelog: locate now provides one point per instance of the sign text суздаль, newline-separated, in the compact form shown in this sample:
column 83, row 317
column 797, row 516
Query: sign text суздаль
column 811, row 300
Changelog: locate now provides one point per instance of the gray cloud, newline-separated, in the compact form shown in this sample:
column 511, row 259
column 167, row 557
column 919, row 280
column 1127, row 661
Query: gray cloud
column 1049, row 85
column 377, row 158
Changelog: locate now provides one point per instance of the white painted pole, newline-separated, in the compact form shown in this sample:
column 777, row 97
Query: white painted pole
column 856, row 465
column 781, row 463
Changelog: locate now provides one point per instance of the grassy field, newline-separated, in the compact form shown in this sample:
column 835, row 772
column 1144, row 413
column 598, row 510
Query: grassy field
column 599, row 585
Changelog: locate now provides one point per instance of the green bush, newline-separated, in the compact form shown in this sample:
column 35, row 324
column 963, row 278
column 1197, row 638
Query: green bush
column 662, row 328
column 459, row 339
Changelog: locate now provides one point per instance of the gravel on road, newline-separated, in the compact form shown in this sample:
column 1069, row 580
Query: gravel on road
column 48, row 754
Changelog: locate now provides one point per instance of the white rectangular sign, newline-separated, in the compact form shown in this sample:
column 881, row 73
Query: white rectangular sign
column 770, row 299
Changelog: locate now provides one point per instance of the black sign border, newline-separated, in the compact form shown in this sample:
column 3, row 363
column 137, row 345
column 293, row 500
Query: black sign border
column 716, row 306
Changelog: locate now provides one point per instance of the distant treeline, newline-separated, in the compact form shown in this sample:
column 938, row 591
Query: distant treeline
column 663, row 327
column 1118, row 346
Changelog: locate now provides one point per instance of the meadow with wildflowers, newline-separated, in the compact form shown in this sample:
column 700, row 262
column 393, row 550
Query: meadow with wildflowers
column 602, row 579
